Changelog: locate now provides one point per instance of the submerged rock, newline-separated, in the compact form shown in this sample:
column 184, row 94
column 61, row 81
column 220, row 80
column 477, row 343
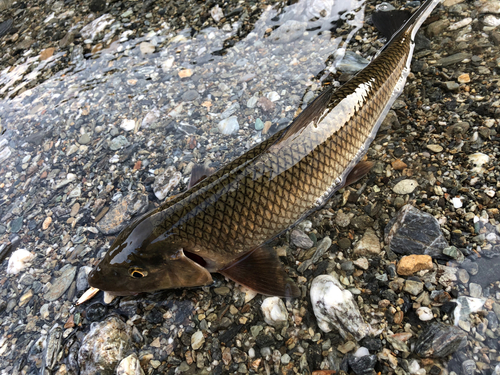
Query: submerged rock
column 165, row 182
column 18, row 261
column 335, row 308
column 130, row 366
column 415, row 232
column 439, row 340
column 104, row 346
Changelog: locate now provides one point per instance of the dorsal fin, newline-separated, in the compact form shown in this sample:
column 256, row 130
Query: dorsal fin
column 309, row 114
column 199, row 173
column 262, row 271
column 389, row 22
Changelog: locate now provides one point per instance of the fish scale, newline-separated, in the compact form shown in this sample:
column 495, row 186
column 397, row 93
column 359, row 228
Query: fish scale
column 222, row 223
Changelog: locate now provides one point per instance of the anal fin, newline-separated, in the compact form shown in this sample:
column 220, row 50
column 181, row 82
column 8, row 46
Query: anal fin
column 199, row 173
column 262, row 271
column 358, row 172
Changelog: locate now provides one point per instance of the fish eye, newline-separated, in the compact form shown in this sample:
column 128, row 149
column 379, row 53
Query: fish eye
column 137, row 273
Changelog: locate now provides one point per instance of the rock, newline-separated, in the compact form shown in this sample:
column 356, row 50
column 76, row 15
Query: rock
column 410, row 264
column 190, row 95
column 81, row 278
column 492, row 6
column 424, row 313
column 18, row 261
column 120, row 213
column 104, row 346
column 463, row 78
column 165, row 182
column 478, row 160
column 475, row 290
column 435, row 148
column 130, row 366
column 368, row 245
column 405, row 187
column 61, row 284
column 216, row 13
column 229, row 125
column 440, row 340
column 362, row 365
column 398, row 165
column 259, row 124
column 469, row 367
column 84, row 139
column 335, row 308
column 466, row 306
column 273, row 96
column 450, row 86
column 146, row 48
column 197, row 340
column 97, row 5
column 118, row 143
column 300, row 239
column 275, row 313
column 362, row 263
column 413, row 287
column 95, row 27
column 185, row 73
column 252, row 102
column 414, row 232
column 46, row 53
column 128, row 125
column 437, row 27
column 453, row 59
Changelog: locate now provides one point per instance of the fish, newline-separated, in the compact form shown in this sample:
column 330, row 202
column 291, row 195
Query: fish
column 223, row 223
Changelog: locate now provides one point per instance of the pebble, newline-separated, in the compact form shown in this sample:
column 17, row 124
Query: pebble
column 368, row 245
column 413, row 287
column 197, row 340
column 81, row 278
column 475, row 290
column 435, row 148
column 47, row 222
column 130, row 365
column 185, row 73
column 275, row 313
column 405, row 186
column 146, row 48
column 165, row 182
column 335, row 308
column 410, row 264
column 128, row 125
column 118, row 143
column 440, row 340
column 104, row 346
column 424, row 313
column 463, row 78
column 259, row 124
column 362, row 263
column 229, row 125
column 300, row 239
column 412, row 231
column 61, row 284
column 399, row 165
column 18, row 261
column 84, row 139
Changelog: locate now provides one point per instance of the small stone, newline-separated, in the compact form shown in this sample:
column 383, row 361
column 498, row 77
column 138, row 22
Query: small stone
column 437, row 27
column 362, row 263
column 44, row 311
column 413, row 287
column 197, row 340
column 130, row 366
column 229, row 125
column 424, row 313
column 399, row 165
column 146, row 48
column 464, row 78
column 453, row 59
column 336, row 309
column 223, row 290
column 405, row 187
column 165, row 182
column 259, row 124
column 19, row 261
column 252, row 102
column 368, row 245
column 463, row 276
column 300, row 239
column 190, row 95
column 275, row 313
column 74, row 209
column 435, row 148
column 128, row 125
column 344, row 243
column 267, row 126
column 266, row 104
column 216, row 13
column 475, row 290
column 81, row 278
column 185, row 73
column 118, row 143
column 84, row 139
column 450, row 86
column 61, row 284
column 410, row 264
column 440, row 340
column 273, row 96
column 47, row 222
column 46, row 53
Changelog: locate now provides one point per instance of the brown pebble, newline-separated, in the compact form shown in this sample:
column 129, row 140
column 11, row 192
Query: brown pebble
column 101, row 214
column 70, row 323
column 75, row 209
column 185, row 73
column 267, row 126
column 46, row 53
column 324, row 372
column 399, row 165
column 464, row 78
column 266, row 104
column 398, row 317
column 43, row 175
column 383, row 303
column 96, row 48
column 410, row 264
column 137, row 165
column 46, row 222
column 402, row 336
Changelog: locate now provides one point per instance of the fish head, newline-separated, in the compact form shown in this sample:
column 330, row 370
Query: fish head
column 140, row 261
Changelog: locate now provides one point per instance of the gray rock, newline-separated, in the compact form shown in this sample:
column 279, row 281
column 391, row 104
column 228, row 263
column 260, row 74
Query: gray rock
column 368, row 245
column 84, row 139
column 165, row 182
column 405, row 186
column 300, row 239
column 440, row 340
column 118, row 143
column 453, row 59
column 190, row 95
column 104, row 346
column 81, row 278
column 468, row 367
column 437, row 27
column 61, row 284
column 414, row 232
column 130, row 366
column 471, row 267
column 363, row 365
column 413, row 287
column 475, row 290
column 229, row 125
column 121, row 212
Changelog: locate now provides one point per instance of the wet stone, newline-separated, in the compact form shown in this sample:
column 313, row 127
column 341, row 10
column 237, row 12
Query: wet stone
column 440, row 340
column 300, row 239
column 61, row 284
column 405, row 187
column 104, row 346
column 16, row 224
column 475, row 290
column 165, row 182
column 471, row 267
column 130, row 366
column 363, row 365
column 84, row 139
column 118, row 143
column 413, row 287
column 368, row 245
column 229, row 125
column 275, row 313
column 415, row 232
column 96, row 312
column 190, row 95
column 410, row 264
column 81, row 278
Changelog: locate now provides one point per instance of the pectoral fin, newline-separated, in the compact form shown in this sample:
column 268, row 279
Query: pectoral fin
column 199, row 173
column 359, row 171
column 262, row 271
